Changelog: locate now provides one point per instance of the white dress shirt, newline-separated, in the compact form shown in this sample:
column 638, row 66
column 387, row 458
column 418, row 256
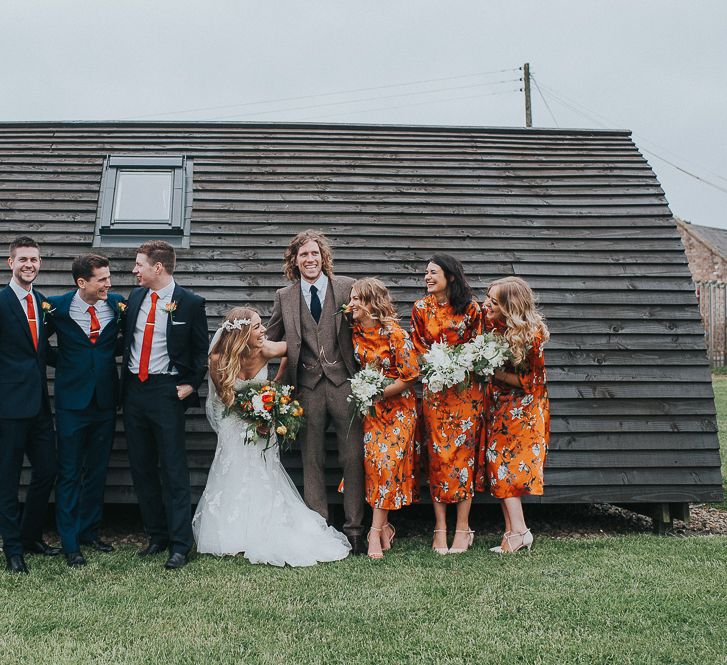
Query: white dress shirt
column 78, row 311
column 321, row 284
column 159, row 362
column 22, row 295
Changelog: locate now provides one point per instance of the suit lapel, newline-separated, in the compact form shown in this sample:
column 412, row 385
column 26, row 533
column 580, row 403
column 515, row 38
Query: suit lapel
column 338, row 297
column 295, row 295
column 17, row 309
column 135, row 299
column 113, row 303
column 176, row 295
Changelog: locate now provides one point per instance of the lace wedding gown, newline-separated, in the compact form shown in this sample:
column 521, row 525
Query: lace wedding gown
column 251, row 506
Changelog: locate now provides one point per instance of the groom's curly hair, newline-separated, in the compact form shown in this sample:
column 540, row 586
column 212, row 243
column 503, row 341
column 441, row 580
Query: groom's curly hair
column 290, row 268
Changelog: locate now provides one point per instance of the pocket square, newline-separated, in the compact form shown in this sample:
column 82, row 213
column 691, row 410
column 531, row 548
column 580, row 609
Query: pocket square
column 179, row 323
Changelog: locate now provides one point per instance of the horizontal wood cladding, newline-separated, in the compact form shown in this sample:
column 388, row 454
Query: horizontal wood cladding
column 577, row 213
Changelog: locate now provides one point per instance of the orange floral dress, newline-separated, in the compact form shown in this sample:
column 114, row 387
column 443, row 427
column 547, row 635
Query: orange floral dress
column 389, row 433
column 516, row 430
column 451, row 418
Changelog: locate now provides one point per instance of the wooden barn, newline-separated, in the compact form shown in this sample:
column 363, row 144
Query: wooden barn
column 577, row 213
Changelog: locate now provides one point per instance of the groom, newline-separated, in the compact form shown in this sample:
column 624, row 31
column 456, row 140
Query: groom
column 320, row 362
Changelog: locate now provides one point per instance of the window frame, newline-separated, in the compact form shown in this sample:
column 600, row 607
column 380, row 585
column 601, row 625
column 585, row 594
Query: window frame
column 110, row 233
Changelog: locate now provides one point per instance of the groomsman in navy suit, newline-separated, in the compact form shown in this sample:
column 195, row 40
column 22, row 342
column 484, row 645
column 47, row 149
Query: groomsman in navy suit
column 165, row 361
column 86, row 322
column 26, row 424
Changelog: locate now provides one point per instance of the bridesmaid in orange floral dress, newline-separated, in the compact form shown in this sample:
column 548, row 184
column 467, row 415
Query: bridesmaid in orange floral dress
column 450, row 418
column 390, row 430
column 517, row 416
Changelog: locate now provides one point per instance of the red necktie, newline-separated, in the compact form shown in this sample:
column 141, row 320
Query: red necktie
column 148, row 336
column 95, row 325
column 31, row 320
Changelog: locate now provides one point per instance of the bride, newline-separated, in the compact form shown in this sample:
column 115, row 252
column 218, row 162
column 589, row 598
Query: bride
column 250, row 504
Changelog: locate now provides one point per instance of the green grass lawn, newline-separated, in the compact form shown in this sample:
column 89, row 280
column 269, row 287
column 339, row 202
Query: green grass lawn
column 629, row 599
column 635, row 599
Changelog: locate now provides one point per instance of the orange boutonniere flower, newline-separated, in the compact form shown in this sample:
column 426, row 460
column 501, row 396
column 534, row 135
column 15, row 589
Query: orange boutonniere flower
column 120, row 310
column 47, row 309
column 170, row 308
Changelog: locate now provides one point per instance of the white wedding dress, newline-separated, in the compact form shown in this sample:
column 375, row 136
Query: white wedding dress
column 251, row 506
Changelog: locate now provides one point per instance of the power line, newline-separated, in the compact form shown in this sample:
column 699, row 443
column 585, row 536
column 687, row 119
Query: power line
column 641, row 137
column 545, row 101
column 323, row 94
column 679, row 168
column 360, row 99
column 590, row 117
column 401, row 106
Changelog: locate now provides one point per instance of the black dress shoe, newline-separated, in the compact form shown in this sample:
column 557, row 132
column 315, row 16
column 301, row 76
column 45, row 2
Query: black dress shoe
column 16, row 564
column 75, row 559
column 99, row 545
column 153, row 548
column 176, row 561
column 358, row 545
column 40, row 547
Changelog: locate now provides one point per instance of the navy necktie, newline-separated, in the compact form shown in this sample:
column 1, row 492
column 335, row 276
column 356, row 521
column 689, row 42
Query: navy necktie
column 315, row 304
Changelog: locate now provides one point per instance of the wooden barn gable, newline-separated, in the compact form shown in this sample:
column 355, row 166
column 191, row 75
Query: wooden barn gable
column 578, row 213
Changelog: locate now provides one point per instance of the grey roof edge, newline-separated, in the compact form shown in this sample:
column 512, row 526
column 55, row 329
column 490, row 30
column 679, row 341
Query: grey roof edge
column 696, row 230
column 313, row 125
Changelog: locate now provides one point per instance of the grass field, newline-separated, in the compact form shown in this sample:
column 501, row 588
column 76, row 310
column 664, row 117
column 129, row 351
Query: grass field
column 637, row 599
column 628, row 599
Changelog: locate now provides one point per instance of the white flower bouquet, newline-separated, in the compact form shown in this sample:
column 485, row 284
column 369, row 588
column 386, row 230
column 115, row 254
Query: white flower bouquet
column 366, row 386
column 443, row 367
column 484, row 354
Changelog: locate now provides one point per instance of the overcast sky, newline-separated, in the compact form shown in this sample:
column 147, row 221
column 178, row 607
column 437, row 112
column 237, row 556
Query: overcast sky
column 656, row 67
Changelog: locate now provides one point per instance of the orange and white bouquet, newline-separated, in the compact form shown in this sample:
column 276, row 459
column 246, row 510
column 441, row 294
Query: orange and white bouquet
column 271, row 411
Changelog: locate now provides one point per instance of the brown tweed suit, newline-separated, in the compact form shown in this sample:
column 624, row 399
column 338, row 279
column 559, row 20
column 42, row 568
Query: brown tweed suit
column 320, row 361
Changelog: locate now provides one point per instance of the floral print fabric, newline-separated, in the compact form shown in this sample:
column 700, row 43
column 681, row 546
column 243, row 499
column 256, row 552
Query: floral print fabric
column 389, row 433
column 516, row 431
column 451, row 418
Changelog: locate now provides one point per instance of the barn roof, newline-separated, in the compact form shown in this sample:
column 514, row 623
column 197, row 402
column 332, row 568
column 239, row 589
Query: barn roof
column 577, row 213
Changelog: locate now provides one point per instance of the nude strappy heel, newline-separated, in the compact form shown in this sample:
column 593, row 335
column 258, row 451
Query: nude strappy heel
column 526, row 542
column 460, row 550
column 440, row 550
column 374, row 555
column 390, row 541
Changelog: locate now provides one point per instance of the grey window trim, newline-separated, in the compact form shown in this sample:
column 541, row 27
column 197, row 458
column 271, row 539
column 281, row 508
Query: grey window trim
column 111, row 233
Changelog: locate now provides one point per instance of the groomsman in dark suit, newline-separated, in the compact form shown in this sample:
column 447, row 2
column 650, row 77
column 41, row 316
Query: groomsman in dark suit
column 165, row 361
column 86, row 322
column 26, row 424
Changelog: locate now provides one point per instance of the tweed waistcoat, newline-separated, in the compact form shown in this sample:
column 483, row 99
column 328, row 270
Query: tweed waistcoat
column 320, row 354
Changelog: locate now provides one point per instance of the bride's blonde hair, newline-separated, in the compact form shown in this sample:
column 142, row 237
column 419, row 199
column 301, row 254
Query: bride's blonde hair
column 231, row 349
column 375, row 299
column 522, row 319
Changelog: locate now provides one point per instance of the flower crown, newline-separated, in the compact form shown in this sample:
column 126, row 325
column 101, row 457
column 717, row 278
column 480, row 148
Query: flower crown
column 236, row 324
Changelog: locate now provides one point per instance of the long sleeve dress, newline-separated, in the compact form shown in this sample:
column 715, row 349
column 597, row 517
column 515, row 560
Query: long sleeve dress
column 451, row 418
column 516, row 430
column 390, row 431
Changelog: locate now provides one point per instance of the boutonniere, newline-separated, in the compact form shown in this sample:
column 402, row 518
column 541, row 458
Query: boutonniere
column 120, row 310
column 47, row 309
column 344, row 309
column 170, row 308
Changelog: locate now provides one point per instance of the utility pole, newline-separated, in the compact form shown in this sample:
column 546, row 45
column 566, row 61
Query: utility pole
column 526, row 88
